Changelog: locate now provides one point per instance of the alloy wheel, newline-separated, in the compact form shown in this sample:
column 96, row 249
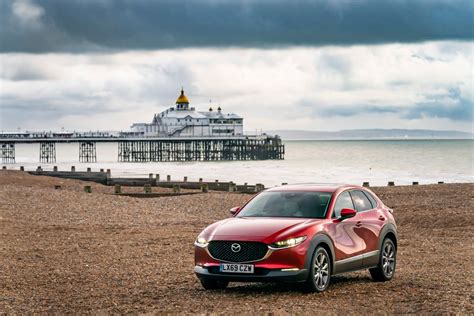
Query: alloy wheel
column 388, row 259
column 321, row 271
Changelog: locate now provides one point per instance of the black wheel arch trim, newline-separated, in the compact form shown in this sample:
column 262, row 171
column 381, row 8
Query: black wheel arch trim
column 315, row 242
column 388, row 228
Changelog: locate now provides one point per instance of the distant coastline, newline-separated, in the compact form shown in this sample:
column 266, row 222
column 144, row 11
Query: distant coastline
column 372, row 134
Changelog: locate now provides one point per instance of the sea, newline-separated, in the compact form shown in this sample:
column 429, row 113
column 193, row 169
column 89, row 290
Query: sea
column 315, row 161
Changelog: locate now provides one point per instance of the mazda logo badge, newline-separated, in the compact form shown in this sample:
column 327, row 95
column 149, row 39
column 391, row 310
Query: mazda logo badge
column 235, row 247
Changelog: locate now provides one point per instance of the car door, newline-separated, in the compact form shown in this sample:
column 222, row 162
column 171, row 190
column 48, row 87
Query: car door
column 348, row 245
column 370, row 225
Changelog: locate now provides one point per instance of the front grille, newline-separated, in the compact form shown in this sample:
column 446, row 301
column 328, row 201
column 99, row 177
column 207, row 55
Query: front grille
column 249, row 250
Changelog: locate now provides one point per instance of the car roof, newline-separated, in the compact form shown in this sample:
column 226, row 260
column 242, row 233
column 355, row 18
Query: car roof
column 315, row 187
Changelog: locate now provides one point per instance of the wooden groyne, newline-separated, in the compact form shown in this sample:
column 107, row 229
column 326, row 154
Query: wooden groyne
column 104, row 177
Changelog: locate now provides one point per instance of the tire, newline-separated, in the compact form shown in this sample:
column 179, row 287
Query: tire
column 387, row 262
column 319, row 275
column 214, row 284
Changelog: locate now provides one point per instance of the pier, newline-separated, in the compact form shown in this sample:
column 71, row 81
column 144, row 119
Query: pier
column 149, row 149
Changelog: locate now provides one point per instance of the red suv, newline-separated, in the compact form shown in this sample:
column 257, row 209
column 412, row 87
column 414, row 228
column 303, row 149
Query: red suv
column 299, row 233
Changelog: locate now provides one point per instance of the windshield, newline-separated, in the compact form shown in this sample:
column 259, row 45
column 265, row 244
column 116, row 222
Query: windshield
column 288, row 204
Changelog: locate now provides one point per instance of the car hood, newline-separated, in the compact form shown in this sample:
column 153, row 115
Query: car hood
column 257, row 228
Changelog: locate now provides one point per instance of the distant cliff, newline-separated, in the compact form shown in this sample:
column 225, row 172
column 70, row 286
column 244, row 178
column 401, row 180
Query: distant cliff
column 371, row 134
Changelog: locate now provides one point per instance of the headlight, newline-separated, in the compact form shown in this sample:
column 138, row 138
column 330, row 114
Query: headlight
column 288, row 243
column 201, row 242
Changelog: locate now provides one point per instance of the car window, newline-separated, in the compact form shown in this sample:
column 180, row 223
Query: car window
column 343, row 201
column 371, row 199
column 287, row 204
column 361, row 202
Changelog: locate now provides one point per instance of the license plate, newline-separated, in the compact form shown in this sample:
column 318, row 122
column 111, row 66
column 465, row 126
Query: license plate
column 236, row 268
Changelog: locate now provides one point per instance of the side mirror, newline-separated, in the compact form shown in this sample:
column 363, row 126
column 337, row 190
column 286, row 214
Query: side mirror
column 234, row 210
column 347, row 213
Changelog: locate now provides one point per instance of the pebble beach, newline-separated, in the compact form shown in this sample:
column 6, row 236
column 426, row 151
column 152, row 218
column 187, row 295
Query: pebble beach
column 66, row 251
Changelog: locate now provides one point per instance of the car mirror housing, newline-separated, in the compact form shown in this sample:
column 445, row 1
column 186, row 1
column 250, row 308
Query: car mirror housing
column 347, row 213
column 234, row 210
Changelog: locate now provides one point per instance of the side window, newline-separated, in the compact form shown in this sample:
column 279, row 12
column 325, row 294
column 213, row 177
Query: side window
column 361, row 202
column 371, row 199
column 343, row 201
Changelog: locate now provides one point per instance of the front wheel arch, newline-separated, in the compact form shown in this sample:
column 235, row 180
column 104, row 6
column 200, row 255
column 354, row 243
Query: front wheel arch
column 324, row 241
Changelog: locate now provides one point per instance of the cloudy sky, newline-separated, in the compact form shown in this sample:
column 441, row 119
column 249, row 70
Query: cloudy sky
column 296, row 64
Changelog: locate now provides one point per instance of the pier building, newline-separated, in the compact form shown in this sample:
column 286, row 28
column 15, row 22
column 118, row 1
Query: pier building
column 182, row 120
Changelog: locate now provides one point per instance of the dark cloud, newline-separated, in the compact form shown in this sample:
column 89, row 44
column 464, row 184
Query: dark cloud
column 354, row 110
column 78, row 25
column 451, row 105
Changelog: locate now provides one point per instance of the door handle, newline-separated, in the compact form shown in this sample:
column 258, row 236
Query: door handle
column 381, row 218
column 358, row 224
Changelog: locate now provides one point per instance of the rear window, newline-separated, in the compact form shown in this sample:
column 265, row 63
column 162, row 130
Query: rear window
column 288, row 204
column 371, row 198
column 361, row 202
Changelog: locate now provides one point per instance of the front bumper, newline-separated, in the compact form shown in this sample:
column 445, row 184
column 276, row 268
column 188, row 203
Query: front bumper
column 262, row 275
column 284, row 265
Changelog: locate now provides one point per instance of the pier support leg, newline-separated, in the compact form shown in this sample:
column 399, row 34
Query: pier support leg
column 47, row 152
column 87, row 152
column 7, row 152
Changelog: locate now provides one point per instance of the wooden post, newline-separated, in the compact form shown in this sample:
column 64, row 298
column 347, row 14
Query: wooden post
column 168, row 178
column 204, row 188
column 22, row 168
column 414, row 183
column 366, row 184
column 101, row 170
column 55, row 168
column 284, row 183
column 259, row 187
column 38, row 169
column 185, row 179
column 200, row 179
column 150, row 176
column 73, row 169
column 89, row 170
column 87, row 189
column 4, row 168
column 109, row 174
column 440, row 182
column 147, row 188
column 176, row 188
column 118, row 189
column 157, row 177
column 391, row 183
column 216, row 181
column 232, row 187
